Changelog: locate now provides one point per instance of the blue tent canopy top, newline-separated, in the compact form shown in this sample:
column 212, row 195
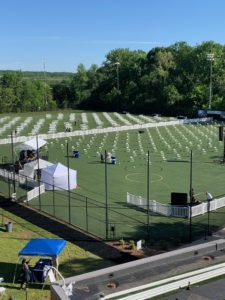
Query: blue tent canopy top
column 43, row 247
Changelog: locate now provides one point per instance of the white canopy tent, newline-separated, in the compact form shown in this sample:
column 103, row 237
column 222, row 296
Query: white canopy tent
column 32, row 144
column 57, row 175
column 29, row 168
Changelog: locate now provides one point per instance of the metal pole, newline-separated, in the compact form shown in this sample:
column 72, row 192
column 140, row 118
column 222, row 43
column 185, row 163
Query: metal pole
column 68, row 168
column 208, row 208
column 209, row 199
column 106, row 198
column 27, row 191
column 39, row 194
column 13, row 163
column 9, row 188
column 148, row 208
column 53, row 196
column 210, row 85
column 86, row 214
column 190, row 201
column 210, row 57
column 223, row 149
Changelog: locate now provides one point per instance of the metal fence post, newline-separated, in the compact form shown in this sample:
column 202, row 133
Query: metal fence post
column 53, row 200
column 87, row 214
column 9, row 188
column 106, row 198
column 27, row 191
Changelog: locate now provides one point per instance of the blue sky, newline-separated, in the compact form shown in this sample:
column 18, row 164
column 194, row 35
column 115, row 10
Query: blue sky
column 64, row 33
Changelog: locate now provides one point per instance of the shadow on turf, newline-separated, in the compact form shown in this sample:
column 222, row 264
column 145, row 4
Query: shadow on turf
column 2, row 228
column 166, row 230
column 7, row 272
column 67, row 232
column 134, row 207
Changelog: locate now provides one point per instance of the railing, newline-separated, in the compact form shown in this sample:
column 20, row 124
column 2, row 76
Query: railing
column 175, row 211
column 35, row 192
column 157, row 207
column 104, row 130
column 29, row 182
column 170, row 284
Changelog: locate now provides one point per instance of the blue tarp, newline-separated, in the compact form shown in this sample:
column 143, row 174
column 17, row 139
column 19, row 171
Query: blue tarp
column 43, row 247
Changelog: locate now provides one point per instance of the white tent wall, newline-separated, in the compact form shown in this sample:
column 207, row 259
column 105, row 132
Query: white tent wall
column 29, row 168
column 57, row 176
column 48, row 180
column 62, row 181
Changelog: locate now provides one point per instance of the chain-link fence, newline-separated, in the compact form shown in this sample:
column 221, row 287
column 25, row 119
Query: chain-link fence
column 112, row 221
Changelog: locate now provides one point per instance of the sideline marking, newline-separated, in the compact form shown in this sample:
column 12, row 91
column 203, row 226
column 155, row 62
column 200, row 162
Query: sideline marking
column 160, row 178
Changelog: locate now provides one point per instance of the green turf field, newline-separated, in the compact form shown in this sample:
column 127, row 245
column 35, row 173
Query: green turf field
column 169, row 148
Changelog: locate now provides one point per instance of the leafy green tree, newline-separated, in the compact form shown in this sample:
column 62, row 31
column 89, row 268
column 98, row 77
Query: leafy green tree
column 79, row 86
column 7, row 100
column 62, row 94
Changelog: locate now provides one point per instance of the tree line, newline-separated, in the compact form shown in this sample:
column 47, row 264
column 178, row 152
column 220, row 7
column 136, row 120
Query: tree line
column 167, row 80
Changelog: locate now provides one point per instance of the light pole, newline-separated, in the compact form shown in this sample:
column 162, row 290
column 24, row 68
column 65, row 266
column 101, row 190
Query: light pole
column 148, row 208
column 106, row 199
column 210, row 57
column 190, row 201
column 117, row 75
column 209, row 199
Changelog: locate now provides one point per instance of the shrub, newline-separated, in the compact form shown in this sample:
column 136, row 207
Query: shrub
column 132, row 244
column 122, row 242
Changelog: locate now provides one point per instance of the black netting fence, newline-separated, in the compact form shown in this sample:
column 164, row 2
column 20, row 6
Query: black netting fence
column 111, row 221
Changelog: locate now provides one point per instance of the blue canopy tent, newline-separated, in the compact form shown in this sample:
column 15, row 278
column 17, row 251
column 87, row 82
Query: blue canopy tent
column 43, row 247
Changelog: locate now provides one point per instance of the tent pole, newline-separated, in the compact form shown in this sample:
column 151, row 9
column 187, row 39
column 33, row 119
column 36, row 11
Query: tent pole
column 14, row 277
